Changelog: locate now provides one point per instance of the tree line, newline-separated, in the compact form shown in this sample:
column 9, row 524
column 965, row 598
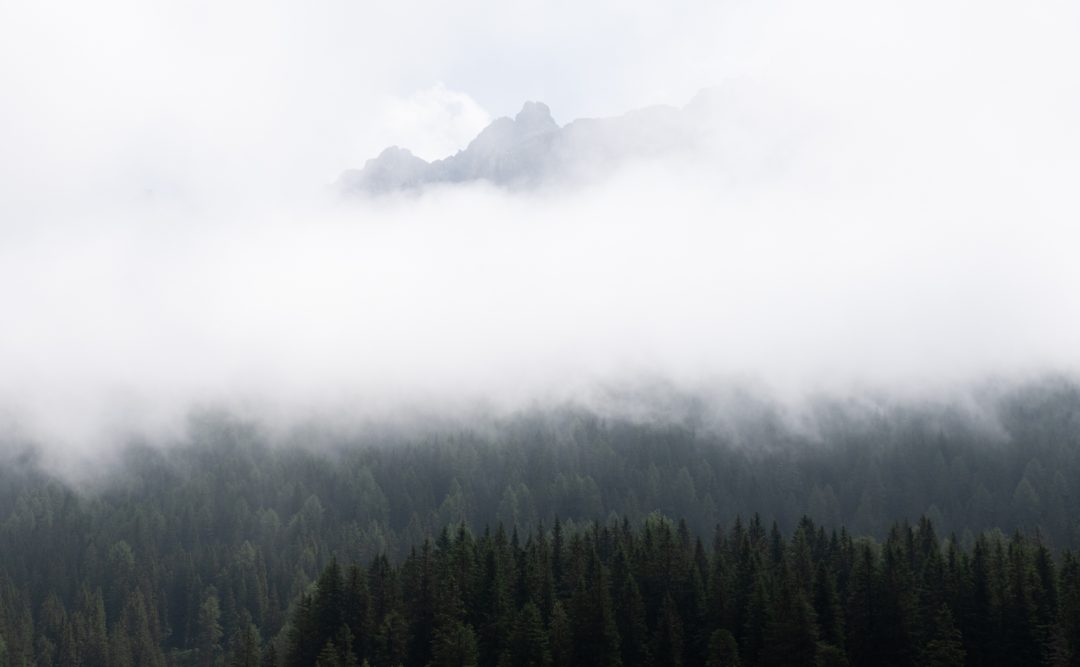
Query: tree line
column 656, row 595
column 212, row 540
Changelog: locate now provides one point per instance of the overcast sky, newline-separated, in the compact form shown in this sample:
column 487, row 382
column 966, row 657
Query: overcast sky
column 893, row 200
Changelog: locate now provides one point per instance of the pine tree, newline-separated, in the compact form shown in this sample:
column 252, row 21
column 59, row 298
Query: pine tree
column 418, row 587
column 302, row 648
column 983, row 627
column 529, row 645
column 562, row 637
column 897, row 599
column 827, row 606
column 1069, row 608
column 596, row 636
column 329, row 656
column 756, row 620
column 719, row 591
column 495, row 607
column 356, row 611
column 244, row 651
column 392, row 641
column 210, row 632
column 454, row 645
column 269, row 656
column 862, row 609
column 629, row 612
column 946, row 647
column 667, row 642
column 791, row 633
column 327, row 605
column 90, row 631
column 139, row 637
column 723, row 650
column 1022, row 638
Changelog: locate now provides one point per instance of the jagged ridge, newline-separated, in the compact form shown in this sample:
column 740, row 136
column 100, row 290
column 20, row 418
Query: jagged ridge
column 532, row 148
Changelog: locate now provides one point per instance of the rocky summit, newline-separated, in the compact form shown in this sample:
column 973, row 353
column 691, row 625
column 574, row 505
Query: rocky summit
column 531, row 148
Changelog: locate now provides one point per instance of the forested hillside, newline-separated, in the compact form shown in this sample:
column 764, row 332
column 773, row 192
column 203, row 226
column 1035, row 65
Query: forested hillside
column 656, row 595
column 183, row 553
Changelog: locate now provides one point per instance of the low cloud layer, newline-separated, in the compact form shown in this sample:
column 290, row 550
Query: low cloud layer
column 886, row 200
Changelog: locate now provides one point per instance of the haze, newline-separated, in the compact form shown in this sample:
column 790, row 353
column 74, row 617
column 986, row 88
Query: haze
column 889, row 201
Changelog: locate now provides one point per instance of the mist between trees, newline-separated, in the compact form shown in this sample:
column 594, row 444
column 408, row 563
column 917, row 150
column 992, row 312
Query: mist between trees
column 131, row 557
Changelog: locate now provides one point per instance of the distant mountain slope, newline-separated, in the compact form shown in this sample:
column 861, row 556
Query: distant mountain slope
column 531, row 148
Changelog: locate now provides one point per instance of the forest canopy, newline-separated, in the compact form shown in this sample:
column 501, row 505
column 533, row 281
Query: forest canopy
column 211, row 548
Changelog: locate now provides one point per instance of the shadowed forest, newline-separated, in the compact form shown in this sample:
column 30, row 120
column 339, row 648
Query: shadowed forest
column 699, row 543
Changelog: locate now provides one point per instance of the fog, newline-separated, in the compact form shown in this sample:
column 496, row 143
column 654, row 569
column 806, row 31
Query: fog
column 888, row 201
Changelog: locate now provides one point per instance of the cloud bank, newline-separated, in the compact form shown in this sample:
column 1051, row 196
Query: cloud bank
column 886, row 199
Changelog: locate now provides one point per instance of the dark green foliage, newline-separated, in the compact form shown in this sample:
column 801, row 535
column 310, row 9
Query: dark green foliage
column 723, row 650
column 454, row 645
column 245, row 650
column 791, row 630
column 529, row 644
column 391, row 641
column 225, row 550
column 649, row 625
column 596, row 636
column 562, row 636
column 945, row 648
column 210, row 629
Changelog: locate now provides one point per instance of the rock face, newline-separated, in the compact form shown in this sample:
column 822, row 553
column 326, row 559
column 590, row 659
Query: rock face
column 531, row 148
column 394, row 169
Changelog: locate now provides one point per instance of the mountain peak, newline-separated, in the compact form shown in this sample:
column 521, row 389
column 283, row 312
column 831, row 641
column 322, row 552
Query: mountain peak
column 393, row 169
column 396, row 157
column 535, row 117
column 531, row 148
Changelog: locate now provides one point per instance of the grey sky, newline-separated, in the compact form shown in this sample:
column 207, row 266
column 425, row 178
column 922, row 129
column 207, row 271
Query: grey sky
column 888, row 198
